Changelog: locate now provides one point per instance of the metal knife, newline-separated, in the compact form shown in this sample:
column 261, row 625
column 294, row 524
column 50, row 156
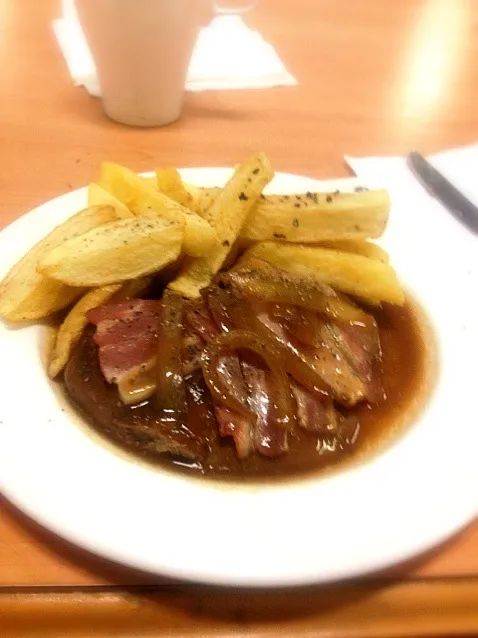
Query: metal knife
column 440, row 188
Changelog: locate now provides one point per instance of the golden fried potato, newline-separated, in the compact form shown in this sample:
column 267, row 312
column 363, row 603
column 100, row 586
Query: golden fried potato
column 369, row 279
column 115, row 252
column 227, row 214
column 75, row 322
column 51, row 332
column 169, row 183
column 134, row 288
column 98, row 196
column 359, row 247
column 26, row 294
column 150, row 180
column 317, row 217
column 202, row 197
column 140, row 197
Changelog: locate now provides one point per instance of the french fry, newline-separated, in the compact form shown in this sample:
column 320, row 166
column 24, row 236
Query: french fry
column 141, row 198
column 115, row 252
column 369, row 279
column 51, row 332
column 226, row 215
column 317, row 217
column 98, row 196
column 26, row 294
column 75, row 322
column 134, row 288
column 151, row 180
column 204, row 198
column 169, row 183
column 359, row 247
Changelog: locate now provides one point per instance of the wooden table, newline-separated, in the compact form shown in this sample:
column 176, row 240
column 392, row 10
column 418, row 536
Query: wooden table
column 374, row 77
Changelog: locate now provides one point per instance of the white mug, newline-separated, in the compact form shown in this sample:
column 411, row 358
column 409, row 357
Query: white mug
column 142, row 50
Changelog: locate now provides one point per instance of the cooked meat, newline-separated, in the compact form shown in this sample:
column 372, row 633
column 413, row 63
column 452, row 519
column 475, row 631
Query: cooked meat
column 138, row 428
column 239, row 417
column 123, row 311
column 325, row 358
column 192, row 349
column 270, row 439
column 315, row 413
column 230, row 422
column 230, row 392
column 126, row 336
column 233, row 424
column 200, row 321
column 360, row 347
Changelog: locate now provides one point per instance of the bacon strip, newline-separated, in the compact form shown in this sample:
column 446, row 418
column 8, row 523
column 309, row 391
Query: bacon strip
column 325, row 359
column 125, row 335
column 314, row 413
column 270, row 439
column 360, row 347
column 124, row 310
column 230, row 423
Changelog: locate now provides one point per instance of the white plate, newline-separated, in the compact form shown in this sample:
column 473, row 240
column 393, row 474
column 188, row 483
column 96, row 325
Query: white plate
column 412, row 496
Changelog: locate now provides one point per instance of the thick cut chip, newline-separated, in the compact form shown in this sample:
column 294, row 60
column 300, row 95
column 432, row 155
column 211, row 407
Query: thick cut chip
column 226, row 215
column 51, row 332
column 169, row 183
column 317, row 217
column 359, row 247
column 118, row 251
column 371, row 280
column 203, row 197
column 150, row 180
column 142, row 198
column 75, row 322
column 134, row 288
column 97, row 195
column 26, row 294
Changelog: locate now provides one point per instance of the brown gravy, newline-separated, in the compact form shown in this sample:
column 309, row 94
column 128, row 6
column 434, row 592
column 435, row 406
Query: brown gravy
column 407, row 375
column 407, row 378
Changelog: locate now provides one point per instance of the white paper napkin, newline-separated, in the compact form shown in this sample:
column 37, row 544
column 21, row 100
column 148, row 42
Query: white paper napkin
column 228, row 55
column 432, row 222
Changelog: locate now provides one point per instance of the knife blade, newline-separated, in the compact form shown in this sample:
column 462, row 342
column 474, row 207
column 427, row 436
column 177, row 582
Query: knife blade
column 444, row 191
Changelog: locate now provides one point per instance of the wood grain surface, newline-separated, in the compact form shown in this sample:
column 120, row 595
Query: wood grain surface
column 380, row 610
column 375, row 77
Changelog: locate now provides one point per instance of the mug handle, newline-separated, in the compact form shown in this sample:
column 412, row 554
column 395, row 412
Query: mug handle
column 243, row 7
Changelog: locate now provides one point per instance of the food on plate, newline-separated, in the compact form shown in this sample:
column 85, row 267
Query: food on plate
column 74, row 324
column 169, row 182
column 141, row 197
column 117, row 251
column 315, row 217
column 216, row 402
column 369, row 279
column 26, row 294
column 226, row 215
column 97, row 195
column 359, row 247
column 251, row 357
